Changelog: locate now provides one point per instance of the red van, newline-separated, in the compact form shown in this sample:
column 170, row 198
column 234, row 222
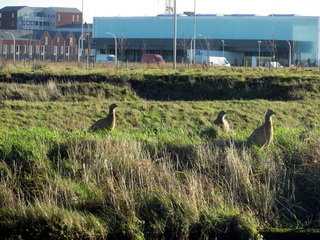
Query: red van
column 152, row 58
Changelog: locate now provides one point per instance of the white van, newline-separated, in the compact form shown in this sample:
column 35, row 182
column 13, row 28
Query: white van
column 215, row 61
column 106, row 58
column 273, row 64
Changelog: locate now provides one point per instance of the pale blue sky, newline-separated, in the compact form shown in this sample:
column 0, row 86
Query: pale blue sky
column 92, row 8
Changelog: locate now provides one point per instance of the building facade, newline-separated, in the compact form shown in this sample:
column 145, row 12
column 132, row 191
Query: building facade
column 39, row 45
column 36, row 18
column 240, row 37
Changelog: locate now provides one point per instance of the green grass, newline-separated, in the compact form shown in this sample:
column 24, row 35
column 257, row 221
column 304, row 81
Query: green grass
column 165, row 172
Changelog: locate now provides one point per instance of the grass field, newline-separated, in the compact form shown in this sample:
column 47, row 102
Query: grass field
column 165, row 172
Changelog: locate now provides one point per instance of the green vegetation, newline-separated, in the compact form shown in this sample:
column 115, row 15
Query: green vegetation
column 165, row 172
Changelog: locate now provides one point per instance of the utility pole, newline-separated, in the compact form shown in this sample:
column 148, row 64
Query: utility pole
column 175, row 36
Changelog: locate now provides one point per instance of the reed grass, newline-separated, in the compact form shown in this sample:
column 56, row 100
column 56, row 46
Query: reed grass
column 164, row 173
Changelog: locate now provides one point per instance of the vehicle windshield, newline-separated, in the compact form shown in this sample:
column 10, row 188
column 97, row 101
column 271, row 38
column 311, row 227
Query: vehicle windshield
column 111, row 59
column 158, row 59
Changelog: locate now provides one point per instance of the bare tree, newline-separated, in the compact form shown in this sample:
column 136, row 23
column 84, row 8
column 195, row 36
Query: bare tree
column 105, row 48
column 122, row 47
column 272, row 46
column 144, row 47
column 209, row 43
column 183, row 43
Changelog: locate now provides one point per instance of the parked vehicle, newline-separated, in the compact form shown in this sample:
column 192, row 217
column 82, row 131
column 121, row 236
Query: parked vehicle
column 152, row 58
column 106, row 58
column 273, row 64
column 215, row 61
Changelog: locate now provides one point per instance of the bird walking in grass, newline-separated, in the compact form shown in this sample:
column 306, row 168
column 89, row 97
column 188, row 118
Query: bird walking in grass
column 222, row 122
column 263, row 135
column 107, row 123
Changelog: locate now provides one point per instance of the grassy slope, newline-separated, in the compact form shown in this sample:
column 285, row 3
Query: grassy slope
column 162, row 172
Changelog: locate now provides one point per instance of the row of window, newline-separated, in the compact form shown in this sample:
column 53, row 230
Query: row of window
column 52, row 16
column 36, row 49
column 12, row 15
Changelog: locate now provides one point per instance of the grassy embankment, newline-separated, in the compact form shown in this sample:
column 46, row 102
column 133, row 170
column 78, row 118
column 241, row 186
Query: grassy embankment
column 165, row 172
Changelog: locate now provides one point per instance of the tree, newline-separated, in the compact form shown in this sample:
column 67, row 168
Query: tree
column 122, row 47
column 183, row 43
column 209, row 44
column 272, row 46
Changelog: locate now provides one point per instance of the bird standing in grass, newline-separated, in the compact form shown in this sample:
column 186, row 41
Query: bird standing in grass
column 107, row 123
column 263, row 135
column 222, row 122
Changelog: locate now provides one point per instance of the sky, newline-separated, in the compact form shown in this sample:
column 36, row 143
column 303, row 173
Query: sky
column 108, row 8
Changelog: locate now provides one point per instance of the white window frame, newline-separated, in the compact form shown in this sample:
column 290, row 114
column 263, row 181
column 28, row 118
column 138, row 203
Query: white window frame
column 5, row 49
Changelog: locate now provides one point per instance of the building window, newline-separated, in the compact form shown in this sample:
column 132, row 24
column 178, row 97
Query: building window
column 55, row 50
column 12, row 15
column 71, row 42
column 61, row 50
column 72, row 18
column 0, row 15
column 37, row 49
column 24, row 48
column 59, row 17
column 12, row 23
column 45, row 40
column 78, row 18
column 5, row 49
column 58, row 40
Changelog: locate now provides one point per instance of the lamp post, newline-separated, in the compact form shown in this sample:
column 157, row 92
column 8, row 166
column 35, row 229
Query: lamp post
column 81, row 34
column 289, row 53
column 259, row 42
column 80, row 49
column 194, row 25
column 14, row 46
column 1, row 39
column 222, row 48
column 175, row 35
column 191, row 50
column 115, row 45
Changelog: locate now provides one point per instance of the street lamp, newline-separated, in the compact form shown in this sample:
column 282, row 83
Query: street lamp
column 175, row 35
column 289, row 53
column 115, row 45
column 14, row 46
column 80, row 49
column 191, row 51
column 259, row 42
column 222, row 47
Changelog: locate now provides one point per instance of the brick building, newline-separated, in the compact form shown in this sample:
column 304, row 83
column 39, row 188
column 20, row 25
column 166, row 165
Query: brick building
column 39, row 45
column 36, row 18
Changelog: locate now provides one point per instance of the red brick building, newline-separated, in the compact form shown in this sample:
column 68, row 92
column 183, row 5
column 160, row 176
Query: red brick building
column 40, row 45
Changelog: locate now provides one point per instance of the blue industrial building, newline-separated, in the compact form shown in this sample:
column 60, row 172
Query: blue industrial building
column 239, row 37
